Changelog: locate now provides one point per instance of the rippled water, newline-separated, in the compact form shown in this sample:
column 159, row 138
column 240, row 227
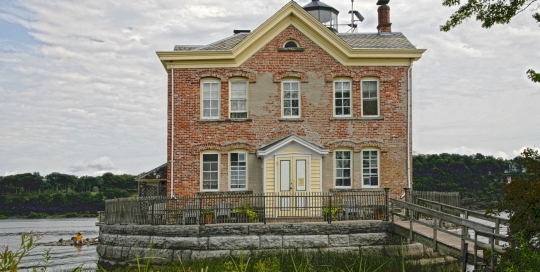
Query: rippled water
column 63, row 258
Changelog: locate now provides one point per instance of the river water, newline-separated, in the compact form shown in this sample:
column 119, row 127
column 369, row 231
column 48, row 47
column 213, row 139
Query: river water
column 63, row 258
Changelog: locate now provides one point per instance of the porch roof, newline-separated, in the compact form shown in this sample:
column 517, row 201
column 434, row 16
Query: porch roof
column 269, row 148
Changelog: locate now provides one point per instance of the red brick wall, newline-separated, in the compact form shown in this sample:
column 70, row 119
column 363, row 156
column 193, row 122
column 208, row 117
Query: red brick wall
column 312, row 66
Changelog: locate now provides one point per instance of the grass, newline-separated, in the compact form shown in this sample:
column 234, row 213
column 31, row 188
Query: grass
column 291, row 260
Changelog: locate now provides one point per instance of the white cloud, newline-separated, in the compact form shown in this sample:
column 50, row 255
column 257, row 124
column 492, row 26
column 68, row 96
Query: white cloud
column 501, row 154
column 100, row 165
column 463, row 150
column 8, row 173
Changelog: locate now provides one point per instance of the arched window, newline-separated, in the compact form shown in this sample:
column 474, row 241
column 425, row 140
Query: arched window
column 291, row 44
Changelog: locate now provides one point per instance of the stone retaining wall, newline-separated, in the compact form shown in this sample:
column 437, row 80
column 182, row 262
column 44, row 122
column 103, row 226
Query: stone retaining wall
column 124, row 243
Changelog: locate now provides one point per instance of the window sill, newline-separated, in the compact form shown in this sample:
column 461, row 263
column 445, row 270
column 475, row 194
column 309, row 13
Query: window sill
column 290, row 49
column 244, row 192
column 336, row 190
column 356, row 118
column 296, row 119
column 224, row 120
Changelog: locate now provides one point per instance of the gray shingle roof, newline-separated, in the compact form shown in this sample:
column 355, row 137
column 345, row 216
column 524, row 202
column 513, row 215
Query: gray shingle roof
column 222, row 45
column 159, row 172
column 394, row 40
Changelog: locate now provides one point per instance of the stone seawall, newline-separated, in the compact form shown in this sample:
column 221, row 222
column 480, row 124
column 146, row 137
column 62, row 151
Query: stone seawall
column 124, row 243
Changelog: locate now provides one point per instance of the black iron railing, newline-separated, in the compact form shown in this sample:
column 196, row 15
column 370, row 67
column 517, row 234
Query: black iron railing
column 223, row 208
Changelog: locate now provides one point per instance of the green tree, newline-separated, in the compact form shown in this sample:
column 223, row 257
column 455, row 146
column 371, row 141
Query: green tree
column 522, row 198
column 490, row 12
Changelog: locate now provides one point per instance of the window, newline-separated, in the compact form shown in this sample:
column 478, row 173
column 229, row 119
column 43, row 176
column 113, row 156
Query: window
column 210, row 99
column 342, row 98
column 210, row 171
column 291, row 44
column 370, row 168
column 343, row 168
column 370, row 98
column 238, row 99
column 238, row 165
column 291, row 99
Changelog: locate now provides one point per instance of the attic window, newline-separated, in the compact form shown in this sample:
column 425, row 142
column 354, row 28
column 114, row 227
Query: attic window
column 291, row 46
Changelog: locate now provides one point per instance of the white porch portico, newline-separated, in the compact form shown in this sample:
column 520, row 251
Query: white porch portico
column 292, row 165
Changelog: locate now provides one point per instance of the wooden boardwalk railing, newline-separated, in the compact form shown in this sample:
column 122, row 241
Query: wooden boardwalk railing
column 429, row 233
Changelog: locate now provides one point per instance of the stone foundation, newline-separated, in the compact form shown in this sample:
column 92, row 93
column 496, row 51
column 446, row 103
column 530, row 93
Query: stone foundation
column 124, row 243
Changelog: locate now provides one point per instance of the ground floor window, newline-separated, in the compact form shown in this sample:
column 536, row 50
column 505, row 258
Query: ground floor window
column 343, row 168
column 238, row 164
column 370, row 168
column 210, row 171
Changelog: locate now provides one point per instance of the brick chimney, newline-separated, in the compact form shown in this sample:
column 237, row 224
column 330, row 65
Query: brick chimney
column 384, row 17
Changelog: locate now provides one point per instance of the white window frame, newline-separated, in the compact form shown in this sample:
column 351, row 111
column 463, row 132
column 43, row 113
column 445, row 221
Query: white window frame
column 371, row 98
column 283, row 83
column 351, row 155
column 210, row 82
column 341, row 81
column 231, row 170
column 202, row 170
column 378, row 167
column 231, row 83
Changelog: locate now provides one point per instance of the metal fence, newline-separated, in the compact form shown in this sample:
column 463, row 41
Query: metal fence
column 222, row 208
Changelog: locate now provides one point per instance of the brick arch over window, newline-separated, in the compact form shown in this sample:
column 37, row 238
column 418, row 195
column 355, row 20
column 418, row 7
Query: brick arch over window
column 279, row 76
column 356, row 146
column 197, row 149
column 239, row 145
column 242, row 73
column 211, row 74
column 355, row 74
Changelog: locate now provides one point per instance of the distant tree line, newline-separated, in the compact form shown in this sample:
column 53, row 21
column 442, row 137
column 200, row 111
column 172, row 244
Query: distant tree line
column 23, row 194
column 479, row 179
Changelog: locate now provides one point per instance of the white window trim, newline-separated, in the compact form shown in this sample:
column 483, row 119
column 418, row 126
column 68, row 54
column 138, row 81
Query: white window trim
column 202, row 98
column 350, row 98
column 247, row 172
column 299, row 99
column 378, row 96
column 378, row 167
column 335, row 167
column 201, row 171
column 230, row 96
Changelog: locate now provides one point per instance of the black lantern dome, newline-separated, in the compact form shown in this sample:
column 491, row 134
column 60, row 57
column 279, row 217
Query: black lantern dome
column 326, row 14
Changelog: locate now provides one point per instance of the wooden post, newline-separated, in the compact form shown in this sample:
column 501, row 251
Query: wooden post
column 386, row 195
column 497, row 229
column 465, row 247
column 435, row 234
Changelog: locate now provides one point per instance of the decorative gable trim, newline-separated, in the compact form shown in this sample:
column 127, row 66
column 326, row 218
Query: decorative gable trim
column 291, row 14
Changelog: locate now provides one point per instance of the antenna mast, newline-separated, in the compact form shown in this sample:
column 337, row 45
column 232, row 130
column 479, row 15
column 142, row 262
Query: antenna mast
column 354, row 13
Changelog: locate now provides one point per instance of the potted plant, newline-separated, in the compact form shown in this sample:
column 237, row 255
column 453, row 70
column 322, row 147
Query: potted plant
column 380, row 212
column 332, row 212
column 245, row 213
column 208, row 215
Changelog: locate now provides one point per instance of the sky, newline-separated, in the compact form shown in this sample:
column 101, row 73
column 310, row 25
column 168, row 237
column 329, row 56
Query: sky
column 83, row 92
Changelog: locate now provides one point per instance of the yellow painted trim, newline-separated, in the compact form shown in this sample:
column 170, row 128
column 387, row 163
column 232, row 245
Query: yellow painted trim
column 291, row 14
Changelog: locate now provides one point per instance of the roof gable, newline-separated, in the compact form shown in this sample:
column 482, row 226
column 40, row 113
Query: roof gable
column 244, row 46
column 281, row 143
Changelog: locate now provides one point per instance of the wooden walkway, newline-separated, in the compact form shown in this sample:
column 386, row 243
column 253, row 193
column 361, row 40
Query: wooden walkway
column 408, row 223
column 446, row 243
